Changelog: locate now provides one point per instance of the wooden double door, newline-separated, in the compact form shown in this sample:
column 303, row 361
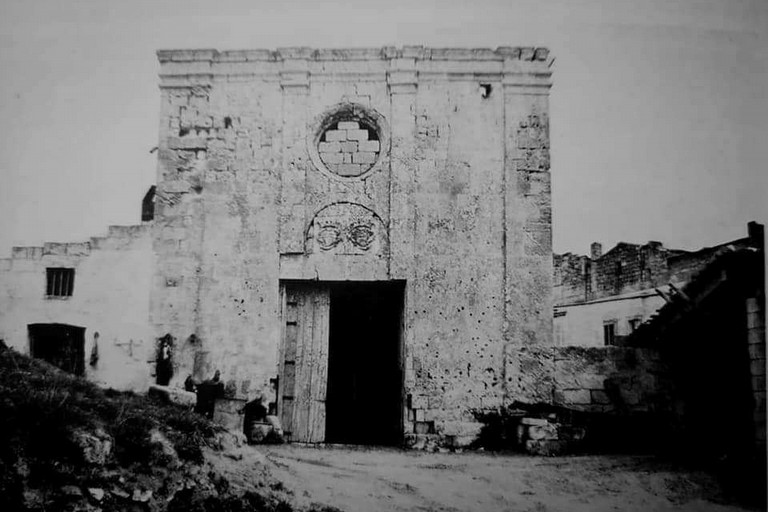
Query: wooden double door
column 341, row 377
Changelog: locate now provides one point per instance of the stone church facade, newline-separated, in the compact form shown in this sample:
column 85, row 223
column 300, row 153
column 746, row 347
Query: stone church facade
column 363, row 235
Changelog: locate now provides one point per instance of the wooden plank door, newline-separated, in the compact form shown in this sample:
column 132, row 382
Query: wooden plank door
column 304, row 373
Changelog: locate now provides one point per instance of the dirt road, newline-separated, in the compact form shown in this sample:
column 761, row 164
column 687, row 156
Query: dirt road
column 358, row 480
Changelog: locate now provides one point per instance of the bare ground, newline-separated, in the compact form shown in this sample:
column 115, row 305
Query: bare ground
column 363, row 479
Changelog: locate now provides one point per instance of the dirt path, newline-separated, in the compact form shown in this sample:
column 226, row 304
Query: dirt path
column 358, row 480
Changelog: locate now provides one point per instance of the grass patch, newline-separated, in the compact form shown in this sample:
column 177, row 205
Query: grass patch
column 41, row 407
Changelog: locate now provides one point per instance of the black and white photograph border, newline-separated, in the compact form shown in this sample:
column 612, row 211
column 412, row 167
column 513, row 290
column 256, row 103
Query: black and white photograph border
column 383, row 256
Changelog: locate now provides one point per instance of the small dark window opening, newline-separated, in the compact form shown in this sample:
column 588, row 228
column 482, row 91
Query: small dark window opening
column 148, row 205
column 609, row 333
column 634, row 323
column 485, row 90
column 372, row 134
column 59, row 282
column 227, row 122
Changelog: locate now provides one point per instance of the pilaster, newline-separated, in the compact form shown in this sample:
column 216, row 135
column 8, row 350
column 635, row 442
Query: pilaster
column 294, row 83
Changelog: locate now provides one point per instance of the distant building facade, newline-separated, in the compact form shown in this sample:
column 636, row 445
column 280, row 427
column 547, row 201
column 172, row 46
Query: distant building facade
column 602, row 298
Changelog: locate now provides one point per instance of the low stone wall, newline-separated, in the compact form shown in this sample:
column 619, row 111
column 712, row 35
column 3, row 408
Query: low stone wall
column 581, row 400
column 588, row 398
column 592, row 379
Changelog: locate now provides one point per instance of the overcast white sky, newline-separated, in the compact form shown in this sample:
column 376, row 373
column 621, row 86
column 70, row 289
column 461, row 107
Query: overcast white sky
column 659, row 112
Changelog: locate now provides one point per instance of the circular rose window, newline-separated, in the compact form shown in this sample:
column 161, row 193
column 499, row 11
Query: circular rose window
column 349, row 147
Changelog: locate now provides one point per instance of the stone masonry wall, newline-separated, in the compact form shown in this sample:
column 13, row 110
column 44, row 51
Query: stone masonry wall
column 254, row 182
column 624, row 269
column 110, row 300
column 620, row 380
column 757, row 362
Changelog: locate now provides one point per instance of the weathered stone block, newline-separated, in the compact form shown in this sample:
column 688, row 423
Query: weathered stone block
column 333, row 158
column 188, row 143
column 54, row 249
column 335, row 135
column 32, row 253
column 756, row 350
column 357, row 135
column 422, row 427
column 369, row 145
column 754, row 320
column 756, row 336
column 363, row 158
column 538, row 432
column 329, row 147
column 349, row 147
column 534, row 421
column 348, row 169
column 599, row 397
column 418, row 401
column 348, row 125
column 576, row 396
column 460, row 428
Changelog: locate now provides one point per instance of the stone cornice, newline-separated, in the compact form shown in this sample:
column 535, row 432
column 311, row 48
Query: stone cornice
column 514, row 66
column 521, row 53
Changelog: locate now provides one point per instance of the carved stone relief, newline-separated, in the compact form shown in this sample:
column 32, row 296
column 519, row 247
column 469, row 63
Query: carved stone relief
column 346, row 228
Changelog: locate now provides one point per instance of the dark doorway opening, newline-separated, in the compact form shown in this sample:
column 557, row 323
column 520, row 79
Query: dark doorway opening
column 365, row 378
column 59, row 344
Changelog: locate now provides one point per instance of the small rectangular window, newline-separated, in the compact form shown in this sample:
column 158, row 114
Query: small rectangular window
column 634, row 323
column 59, row 282
column 609, row 333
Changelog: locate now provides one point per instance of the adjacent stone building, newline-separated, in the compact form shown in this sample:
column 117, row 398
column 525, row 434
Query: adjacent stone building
column 83, row 306
column 601, row 299
column 364, row 235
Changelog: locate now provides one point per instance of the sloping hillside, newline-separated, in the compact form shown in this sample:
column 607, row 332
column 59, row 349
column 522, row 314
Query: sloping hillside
column 69, row 445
